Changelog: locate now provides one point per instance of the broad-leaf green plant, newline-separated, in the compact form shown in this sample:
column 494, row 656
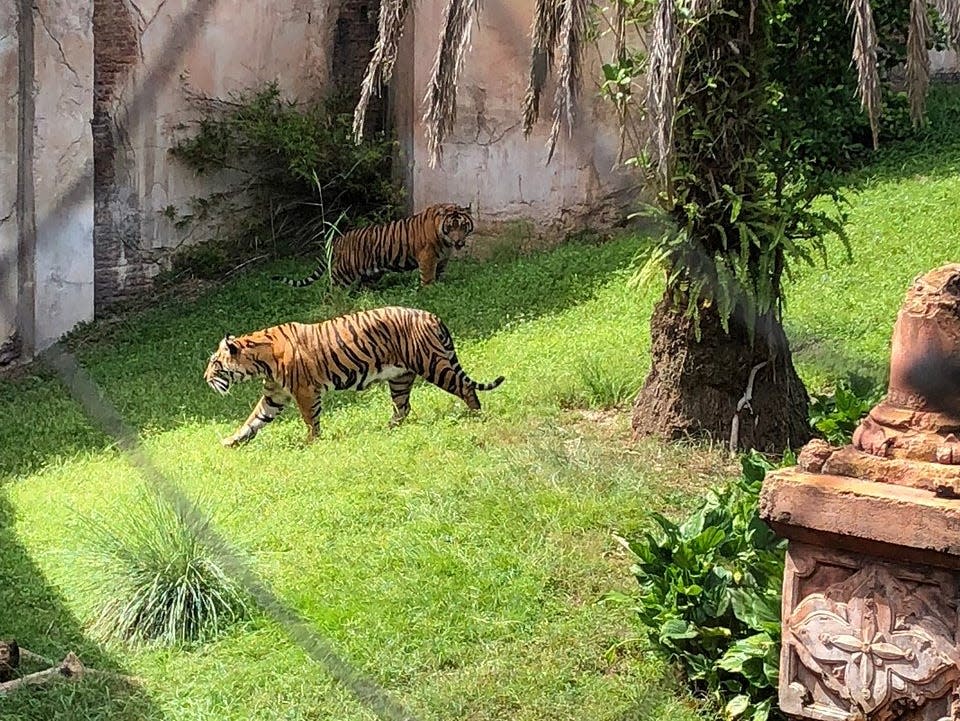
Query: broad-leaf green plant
column 710, row 595
column 835, row 415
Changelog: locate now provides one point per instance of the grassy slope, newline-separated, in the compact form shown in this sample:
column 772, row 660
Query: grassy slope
column 456, row 560
column 905, row 220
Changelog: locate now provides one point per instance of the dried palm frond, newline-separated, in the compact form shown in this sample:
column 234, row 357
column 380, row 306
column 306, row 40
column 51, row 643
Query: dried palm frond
column 620, row 51
column 865, row 57
column 546, row 28
column 918, row 59
column 702, row 8
column 571, row 41
column 441, row 98
column 950, row 12
column 662, row 87
column 384, row 56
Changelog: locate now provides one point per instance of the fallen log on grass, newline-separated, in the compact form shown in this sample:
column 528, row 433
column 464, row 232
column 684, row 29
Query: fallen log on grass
column 9, row 659
column 71, row 668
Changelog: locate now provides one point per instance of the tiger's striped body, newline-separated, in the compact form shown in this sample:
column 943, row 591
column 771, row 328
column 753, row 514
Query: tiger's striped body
column 300, row 362
column 423, row 241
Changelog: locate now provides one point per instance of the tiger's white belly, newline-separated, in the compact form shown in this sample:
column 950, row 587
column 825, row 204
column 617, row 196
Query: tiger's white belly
column 386, row 373
column 389, row 373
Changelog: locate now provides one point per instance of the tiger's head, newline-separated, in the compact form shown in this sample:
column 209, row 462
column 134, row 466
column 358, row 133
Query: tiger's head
column 455, row 223
column 228, row 365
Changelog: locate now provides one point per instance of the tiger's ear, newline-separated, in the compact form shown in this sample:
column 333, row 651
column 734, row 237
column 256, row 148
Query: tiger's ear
column 231, row 344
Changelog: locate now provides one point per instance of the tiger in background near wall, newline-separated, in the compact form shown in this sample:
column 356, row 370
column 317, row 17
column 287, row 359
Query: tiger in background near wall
column 299, row 362
column 423, row 241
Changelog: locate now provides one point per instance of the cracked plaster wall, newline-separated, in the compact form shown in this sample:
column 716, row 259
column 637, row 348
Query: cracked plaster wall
column 62, row 168
column 9, row 89
column 486, row 159
column 221, row 50
column 944, row 63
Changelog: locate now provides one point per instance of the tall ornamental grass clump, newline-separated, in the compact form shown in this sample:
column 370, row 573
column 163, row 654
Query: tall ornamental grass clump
column 156, row 576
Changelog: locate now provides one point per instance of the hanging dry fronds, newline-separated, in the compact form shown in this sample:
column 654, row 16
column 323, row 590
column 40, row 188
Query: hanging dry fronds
column 662, row 87
column 571, row 41
column 918, row 60
column 546, row 27
column 620, row 51
column 865, row 57
column 701, row 8
column 380, row 68
column 950, row 12
column 441, row 98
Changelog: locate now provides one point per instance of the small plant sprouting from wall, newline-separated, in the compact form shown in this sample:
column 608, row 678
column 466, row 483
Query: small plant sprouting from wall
column 298, row 167
column 158, row 578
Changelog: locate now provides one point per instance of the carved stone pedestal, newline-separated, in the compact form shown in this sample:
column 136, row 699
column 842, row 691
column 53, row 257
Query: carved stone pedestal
column 871, row 589
column 870, row 621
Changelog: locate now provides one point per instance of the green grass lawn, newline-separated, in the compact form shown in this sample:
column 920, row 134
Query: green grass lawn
column 459, row 561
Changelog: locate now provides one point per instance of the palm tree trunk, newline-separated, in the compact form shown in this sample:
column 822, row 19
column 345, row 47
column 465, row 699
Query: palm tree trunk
column 695, row 386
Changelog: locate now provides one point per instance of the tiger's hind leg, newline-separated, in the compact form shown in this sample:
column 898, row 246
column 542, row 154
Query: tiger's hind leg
column 272, row 401
column 310, row 403
column 400, row 393
column 448, row 375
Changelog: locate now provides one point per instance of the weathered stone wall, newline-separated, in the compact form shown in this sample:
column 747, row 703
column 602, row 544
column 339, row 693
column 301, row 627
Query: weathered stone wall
column 486, row 160
column 46, row 187
column 62, row 171
column 354, row 36
column 217, row 48
column 945, row 64
column 9, row 139
column 116, row 51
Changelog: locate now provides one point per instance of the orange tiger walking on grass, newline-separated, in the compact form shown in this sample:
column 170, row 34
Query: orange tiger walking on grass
column 299, row 362
column 423, row 241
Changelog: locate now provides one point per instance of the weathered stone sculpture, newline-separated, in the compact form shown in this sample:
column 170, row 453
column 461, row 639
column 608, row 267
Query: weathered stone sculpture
column 870, row 596
column 920, row 417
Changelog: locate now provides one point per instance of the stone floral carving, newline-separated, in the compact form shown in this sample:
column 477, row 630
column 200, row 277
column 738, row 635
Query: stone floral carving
column 873, row 642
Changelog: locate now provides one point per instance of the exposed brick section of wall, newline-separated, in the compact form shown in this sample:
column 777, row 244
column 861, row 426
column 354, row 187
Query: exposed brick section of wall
column 354, row 36
column 116, row 235
column 123, row 266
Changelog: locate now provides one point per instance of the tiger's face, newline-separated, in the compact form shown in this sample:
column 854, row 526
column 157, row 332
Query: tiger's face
column 227, row 366
column 456, row 224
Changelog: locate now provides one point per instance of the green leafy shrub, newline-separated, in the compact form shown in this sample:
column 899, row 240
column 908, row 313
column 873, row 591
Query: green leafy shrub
column 814, row 71
column 298, row 166
column 836, row 415
column 710, row 596
column 158, row 579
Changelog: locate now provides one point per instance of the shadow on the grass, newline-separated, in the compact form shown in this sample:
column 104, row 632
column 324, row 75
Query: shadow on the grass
column 32, row 612
column 831, row 361
column 150, row 364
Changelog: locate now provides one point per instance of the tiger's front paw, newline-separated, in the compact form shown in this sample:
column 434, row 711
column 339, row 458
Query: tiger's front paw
column 236, row 439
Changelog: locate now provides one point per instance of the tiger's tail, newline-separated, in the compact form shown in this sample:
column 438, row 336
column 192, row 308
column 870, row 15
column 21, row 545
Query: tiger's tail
column 488, row 386
column 319, row 272
column 470, row 382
